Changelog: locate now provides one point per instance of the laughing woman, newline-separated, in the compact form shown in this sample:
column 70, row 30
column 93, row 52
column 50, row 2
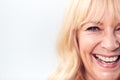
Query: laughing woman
column 89, row 42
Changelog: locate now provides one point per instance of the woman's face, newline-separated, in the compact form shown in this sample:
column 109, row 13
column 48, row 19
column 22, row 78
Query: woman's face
column 100, row 48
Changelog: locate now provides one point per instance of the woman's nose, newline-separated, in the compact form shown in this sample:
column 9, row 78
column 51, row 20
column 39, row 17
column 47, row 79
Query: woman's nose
column 110, row 43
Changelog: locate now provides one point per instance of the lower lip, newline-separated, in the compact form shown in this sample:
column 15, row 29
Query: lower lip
column 107, row 65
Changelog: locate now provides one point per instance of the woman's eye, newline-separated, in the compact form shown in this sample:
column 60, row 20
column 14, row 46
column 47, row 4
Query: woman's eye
column 93, row 28
column 118, row 29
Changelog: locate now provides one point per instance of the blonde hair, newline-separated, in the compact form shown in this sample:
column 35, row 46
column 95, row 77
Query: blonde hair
column 78, row 13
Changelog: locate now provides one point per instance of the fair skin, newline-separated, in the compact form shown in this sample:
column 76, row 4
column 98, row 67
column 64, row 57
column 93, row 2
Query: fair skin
column 100, row 48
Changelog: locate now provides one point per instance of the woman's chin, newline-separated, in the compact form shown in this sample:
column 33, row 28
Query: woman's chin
column 108, row 76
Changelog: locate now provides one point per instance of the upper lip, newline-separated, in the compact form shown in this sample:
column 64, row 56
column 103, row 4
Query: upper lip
column 107, row 55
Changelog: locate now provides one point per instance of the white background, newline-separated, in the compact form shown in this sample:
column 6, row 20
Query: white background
column 28, row 30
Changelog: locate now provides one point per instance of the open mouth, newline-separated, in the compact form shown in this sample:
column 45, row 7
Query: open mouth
column 107, row 60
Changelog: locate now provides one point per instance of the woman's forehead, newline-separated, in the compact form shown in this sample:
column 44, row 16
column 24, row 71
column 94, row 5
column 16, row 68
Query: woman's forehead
column 96, row 12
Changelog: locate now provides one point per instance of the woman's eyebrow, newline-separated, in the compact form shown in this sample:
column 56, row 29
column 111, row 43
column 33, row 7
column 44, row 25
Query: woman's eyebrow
column 93, row 22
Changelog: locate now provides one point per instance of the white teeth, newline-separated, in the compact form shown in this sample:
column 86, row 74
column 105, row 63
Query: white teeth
column 107, row 59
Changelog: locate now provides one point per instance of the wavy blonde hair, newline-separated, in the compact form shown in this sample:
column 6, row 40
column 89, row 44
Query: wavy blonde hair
column 78, row 13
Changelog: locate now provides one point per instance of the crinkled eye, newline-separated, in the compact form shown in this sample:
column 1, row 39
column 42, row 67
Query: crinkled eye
column 93, row 28
column 118, row 29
